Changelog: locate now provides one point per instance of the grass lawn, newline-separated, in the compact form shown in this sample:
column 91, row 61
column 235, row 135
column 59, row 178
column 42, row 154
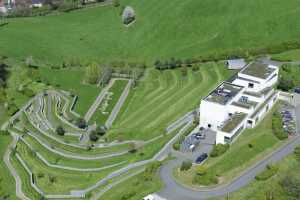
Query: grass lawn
column 184, row 29
column 239, row 156
column 7, row 183
column 134, row 187
column 71, row 79
column 108, row 105
column 72, row 149
column 64, row 180
column 292, row 55
column 163, row 97
column 26, row 187
column 258, row 190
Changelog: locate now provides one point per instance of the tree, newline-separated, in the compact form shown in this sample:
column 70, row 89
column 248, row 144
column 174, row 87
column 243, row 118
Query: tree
column 132, row 147
column 291, row 184
column 81, row 123
column 285, row 85
column 92, row 73
column 185, row 165
column 116, row 3
column 101, row 130
column 94, row 137
column 60, row 131
column 297, row 153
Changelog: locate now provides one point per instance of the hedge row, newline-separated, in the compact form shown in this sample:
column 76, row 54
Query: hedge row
column 277, row 128
column 227, row 54
column 268, row 173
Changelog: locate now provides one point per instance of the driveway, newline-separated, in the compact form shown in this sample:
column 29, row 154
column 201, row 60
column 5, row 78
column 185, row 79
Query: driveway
column 175, row 191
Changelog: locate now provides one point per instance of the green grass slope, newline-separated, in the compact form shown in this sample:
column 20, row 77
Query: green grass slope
column 163, row 97
column 163, row 29
column 7, row 183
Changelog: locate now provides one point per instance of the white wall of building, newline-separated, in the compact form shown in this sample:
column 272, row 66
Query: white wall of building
column 212, row 114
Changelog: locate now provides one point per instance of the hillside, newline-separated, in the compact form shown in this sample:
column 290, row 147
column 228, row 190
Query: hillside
column 186, row 29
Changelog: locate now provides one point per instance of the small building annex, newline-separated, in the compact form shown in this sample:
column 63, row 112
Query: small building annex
column 241, row 103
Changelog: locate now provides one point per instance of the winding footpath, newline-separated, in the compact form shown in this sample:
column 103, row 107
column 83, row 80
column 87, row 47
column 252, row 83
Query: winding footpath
column 13, row 171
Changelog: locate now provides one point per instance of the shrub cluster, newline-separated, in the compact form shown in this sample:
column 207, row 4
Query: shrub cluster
column 277, row 128
column 60, row 131
column 176, row 145
column 267, row 173
column 151, row 170
column 291, row 185
column 289, row 77
column 227, row 54
column 186, row 165
column 297, row 153
column 219, row 149
column 96, row 134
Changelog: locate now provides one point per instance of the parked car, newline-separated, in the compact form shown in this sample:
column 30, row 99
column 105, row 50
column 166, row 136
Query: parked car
column 201, row 158
column 297, row 90
column 199, row 136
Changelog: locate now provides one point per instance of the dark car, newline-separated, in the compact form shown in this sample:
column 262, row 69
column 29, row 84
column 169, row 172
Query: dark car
column 297, row 90
column 201, row 158
column 199, row 136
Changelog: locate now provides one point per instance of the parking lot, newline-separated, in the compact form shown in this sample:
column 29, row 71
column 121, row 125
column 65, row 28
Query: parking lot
column 198, row 142
column 288, row 116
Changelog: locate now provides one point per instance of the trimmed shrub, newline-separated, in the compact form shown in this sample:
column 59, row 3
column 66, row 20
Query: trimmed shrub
column 219, row 149
column 200, row 170
column 60, row 131
column 94, row 137
column 185, row 165
column 270, row 171
column 297, row 153
column 151, row 170
column 291, row 184
column 81, row 123
column 277, row 128
column 176, row 146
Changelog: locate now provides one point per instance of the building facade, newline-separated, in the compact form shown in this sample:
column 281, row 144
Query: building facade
column 241, row 103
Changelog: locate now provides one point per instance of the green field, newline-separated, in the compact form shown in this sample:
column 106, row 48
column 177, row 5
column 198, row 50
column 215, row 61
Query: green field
column 163, row 29
column 162, row 97
column 238, row 157
column 71, row 79
column 108, row 105
column 258, row 190
column 293, row 55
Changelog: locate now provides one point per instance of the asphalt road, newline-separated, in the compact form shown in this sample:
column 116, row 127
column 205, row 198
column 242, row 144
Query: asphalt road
column 175, row 191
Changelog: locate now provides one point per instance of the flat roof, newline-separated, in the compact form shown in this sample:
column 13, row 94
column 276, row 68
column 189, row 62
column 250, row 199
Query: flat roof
column 258, row 70
column 224, row 93
column 245, row 104
column 233, row 122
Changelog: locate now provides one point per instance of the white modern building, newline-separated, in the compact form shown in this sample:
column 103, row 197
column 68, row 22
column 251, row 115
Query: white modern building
column 236, row 63
column 240, row 103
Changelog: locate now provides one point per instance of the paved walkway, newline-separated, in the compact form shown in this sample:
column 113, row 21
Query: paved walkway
column 98, row 101
column 117, row 108
column 12, row 170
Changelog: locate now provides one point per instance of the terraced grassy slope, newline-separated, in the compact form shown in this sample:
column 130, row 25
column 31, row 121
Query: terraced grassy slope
column 63, row 163
column 162, row 97
column 106, row 107
column 163, row 29
column 7, row 188
column 71, row 80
